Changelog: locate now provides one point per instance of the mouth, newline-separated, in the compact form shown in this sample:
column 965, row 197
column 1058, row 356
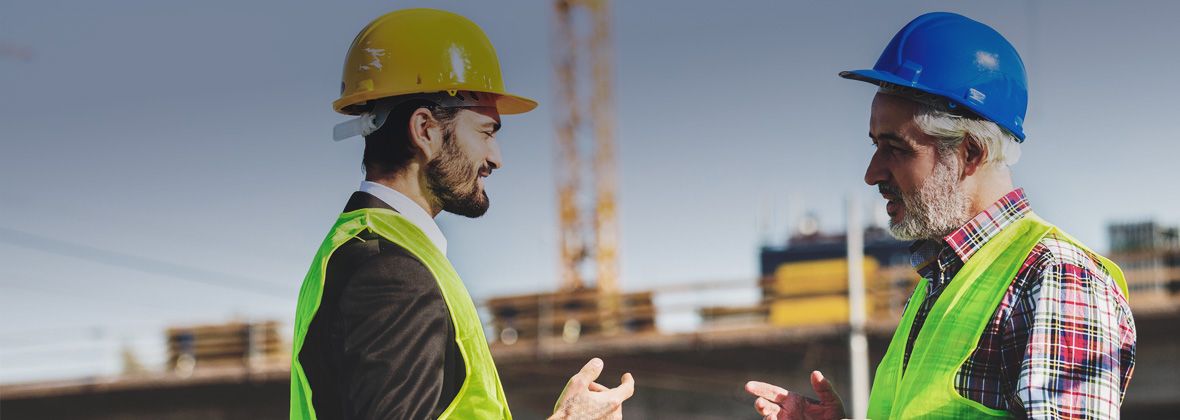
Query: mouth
column 893, row 207
column 481, row 178
column 893, row 200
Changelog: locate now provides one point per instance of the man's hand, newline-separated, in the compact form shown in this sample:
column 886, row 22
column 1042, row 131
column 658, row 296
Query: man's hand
column 585, row 399
column 775, row 403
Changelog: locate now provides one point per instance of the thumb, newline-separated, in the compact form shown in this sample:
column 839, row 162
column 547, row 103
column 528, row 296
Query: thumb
column 580, row 382
column 626, row 389
column 823, row 388
column 588, row 374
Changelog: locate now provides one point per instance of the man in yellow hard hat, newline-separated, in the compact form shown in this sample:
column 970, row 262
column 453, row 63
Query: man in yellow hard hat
column 384, row 327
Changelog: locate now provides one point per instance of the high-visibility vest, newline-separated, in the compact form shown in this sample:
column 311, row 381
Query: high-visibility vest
column 481, row 396
column 926, row 388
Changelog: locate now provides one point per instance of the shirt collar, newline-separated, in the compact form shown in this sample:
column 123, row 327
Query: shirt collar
column 923, row 254
column 408, row 209
column 928, row 256
column 968, row 239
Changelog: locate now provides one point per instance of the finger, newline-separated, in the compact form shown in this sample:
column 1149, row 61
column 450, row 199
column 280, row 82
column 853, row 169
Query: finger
column 765, row 408
column 597, row 387
column 823, row 388
column 767, row 391
column 588, row 374
column 624, row 390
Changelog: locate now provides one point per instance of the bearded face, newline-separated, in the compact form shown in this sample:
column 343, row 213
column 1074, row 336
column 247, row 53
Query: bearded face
column 935, row 209
column 919, row 179
column 453, row 179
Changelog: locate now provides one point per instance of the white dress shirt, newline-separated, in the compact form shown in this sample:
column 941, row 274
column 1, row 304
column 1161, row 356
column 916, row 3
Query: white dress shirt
column 408, row 209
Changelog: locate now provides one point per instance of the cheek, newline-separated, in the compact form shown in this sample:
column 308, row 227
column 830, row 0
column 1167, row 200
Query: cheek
column 471, row 149
column 913, row 174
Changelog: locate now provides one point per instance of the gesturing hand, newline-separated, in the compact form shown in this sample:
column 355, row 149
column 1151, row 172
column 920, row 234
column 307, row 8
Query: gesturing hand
column 585, row 399
column 775, row 403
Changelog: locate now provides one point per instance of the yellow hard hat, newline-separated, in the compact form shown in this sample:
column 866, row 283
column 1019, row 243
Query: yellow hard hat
column 417, row 51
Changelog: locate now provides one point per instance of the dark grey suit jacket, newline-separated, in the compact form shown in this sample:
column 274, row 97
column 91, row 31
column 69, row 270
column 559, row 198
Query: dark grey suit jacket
column 381, row 345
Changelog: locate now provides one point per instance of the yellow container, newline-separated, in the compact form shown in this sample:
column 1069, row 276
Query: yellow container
column 819, row 277
column 820, row 310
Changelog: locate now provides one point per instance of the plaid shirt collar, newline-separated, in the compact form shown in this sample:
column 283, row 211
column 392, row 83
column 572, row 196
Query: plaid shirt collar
column 930, row 257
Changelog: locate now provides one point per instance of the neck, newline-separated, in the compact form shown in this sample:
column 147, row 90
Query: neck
column 989, row 185
column 409, row 183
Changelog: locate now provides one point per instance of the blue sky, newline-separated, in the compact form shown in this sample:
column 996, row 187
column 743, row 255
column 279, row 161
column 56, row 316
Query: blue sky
column 170, row 143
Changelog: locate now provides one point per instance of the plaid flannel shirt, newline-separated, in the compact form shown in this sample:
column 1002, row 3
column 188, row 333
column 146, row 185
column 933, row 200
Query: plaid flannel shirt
column 1062, row 341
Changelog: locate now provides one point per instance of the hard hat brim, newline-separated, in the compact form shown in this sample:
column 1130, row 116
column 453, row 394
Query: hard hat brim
column 506, row 104
column 877, row 77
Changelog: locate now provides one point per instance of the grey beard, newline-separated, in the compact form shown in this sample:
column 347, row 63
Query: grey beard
column 936, row 209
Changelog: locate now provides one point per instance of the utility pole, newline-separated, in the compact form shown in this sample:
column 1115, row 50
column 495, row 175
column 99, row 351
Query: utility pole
column 858, row 343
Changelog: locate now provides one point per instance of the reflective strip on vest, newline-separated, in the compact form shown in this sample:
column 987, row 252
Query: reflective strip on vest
column 481, row 396
column 926, row 388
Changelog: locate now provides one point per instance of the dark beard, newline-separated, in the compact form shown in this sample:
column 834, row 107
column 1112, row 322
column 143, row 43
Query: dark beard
column 453, row 182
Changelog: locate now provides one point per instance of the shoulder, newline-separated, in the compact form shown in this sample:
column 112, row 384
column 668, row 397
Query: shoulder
column 1059, row 269
column 1056, row 250
column 370, row 261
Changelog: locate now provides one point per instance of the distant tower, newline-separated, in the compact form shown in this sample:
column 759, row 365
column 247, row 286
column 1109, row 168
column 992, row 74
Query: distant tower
column 599, row 240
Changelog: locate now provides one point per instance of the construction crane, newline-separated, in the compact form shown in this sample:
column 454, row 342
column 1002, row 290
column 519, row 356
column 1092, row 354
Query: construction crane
column 588, row 301
column 581, row 242
column 596, row 241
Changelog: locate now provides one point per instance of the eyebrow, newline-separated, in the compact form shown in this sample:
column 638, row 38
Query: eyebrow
column 894, row 137
column 494, row 125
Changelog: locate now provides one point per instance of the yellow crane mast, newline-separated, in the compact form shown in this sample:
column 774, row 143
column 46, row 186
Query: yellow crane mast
column 599, row 241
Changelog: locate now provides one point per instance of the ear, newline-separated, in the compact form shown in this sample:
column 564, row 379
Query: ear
column 973, row 155
column 425, row 133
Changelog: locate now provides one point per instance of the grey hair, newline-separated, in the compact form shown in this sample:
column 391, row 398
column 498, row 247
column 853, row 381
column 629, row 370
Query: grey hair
column 937, row 119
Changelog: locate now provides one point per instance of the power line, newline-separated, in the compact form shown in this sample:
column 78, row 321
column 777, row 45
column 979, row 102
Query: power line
column 37, row 288
column 143, row 264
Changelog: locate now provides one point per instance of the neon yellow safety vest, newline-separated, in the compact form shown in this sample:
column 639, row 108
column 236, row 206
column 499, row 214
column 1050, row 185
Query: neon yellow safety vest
column 481, row 396
column 926, row 387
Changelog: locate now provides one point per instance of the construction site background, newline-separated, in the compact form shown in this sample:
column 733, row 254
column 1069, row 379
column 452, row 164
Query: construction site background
column 690, row 343
column 240, row 370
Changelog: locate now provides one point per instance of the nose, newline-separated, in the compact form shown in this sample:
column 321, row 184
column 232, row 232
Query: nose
column 495, row 161
column 876, row 172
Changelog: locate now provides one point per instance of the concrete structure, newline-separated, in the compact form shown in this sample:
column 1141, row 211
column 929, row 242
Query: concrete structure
column 679, row 376
column 697, row 375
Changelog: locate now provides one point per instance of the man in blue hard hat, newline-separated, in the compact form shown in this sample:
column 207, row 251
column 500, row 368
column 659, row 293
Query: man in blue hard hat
column 1012, row 317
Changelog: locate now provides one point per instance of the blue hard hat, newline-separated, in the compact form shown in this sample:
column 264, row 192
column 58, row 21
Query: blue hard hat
column 963, row 61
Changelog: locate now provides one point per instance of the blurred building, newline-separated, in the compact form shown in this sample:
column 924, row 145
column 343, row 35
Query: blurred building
column 235, row 370
column 570, row 315
column 1149, row 255
column 805, row 282
column 233, row 345
column 799, row 324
